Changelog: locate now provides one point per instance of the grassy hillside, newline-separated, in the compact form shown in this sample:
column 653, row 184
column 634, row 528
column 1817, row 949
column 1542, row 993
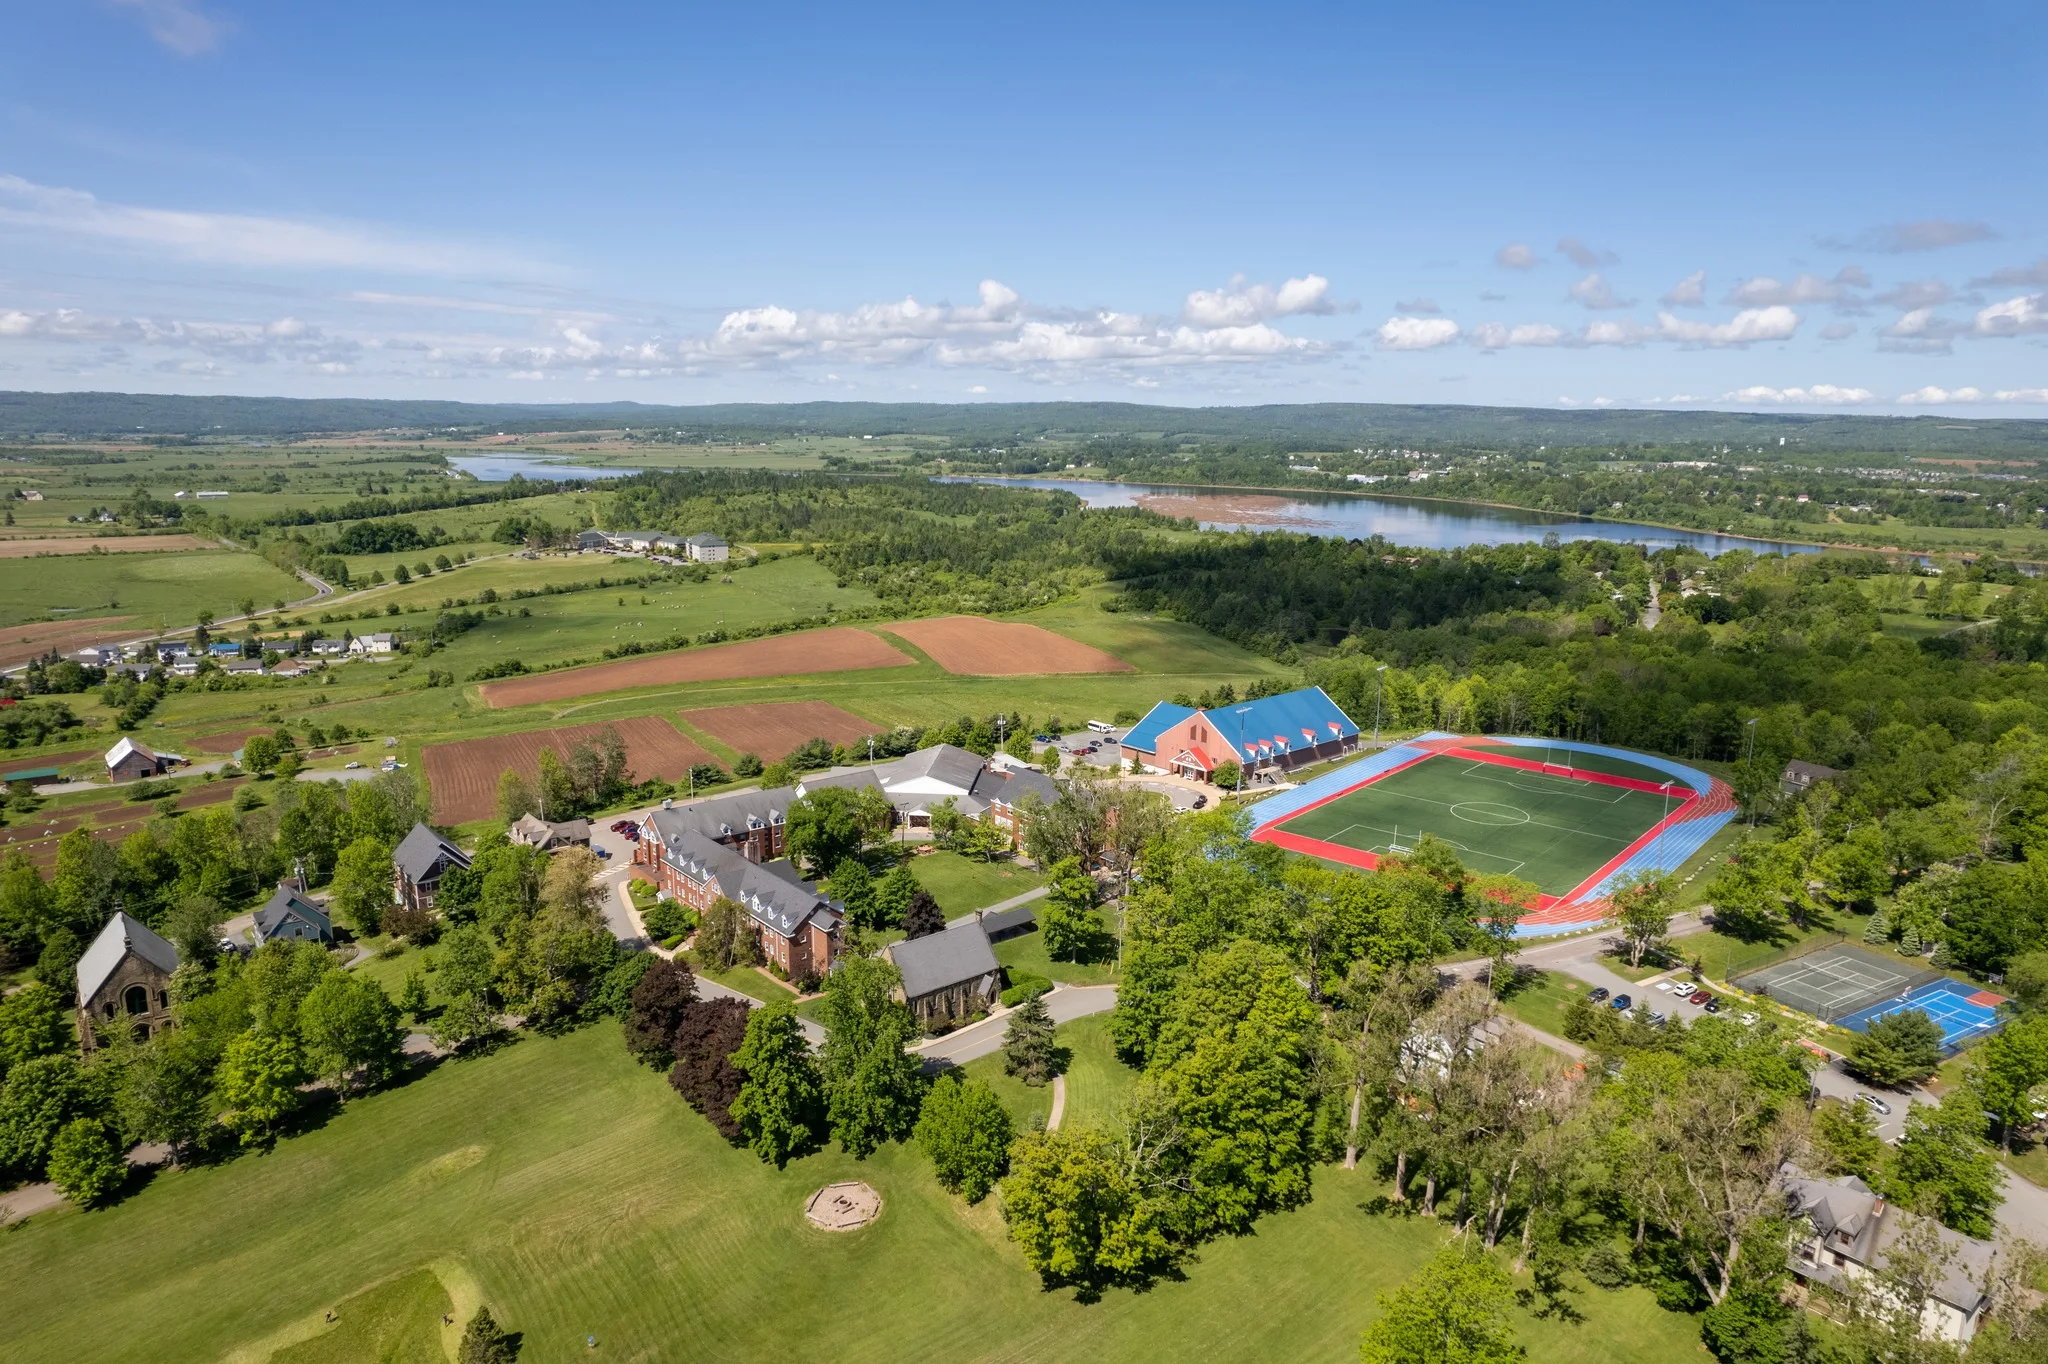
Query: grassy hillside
column 582, row 1197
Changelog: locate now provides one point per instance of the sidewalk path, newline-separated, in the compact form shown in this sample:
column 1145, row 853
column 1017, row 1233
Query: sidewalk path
column 1064, row 1002
column 1059, row 1103
column 1013, row 902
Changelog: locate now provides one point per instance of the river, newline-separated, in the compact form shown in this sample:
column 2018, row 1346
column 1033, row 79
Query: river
column 1413, row 521
column 1417, row 522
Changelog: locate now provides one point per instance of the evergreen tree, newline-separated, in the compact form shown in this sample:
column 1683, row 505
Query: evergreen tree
column 484, row 1343
column 1029, row 1051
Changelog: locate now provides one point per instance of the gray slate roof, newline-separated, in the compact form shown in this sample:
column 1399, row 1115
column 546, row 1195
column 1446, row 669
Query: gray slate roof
column 122, row 935
column 1852, row 1220
column 974, row 785
column 421, row 849
column 939, row 960
column 725, row 817
column 287, row 904
column 1009, row 920
column 773, row 894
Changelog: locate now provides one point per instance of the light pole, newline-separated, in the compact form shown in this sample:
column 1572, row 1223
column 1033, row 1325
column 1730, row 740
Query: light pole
column 1379, row 690
column 1664, row 825
column 1749, row 770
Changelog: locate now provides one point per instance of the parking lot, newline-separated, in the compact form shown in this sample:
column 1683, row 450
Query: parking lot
column 1108, row 752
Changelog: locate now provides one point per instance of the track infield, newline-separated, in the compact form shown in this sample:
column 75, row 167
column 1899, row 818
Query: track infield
column 464, row 775
column 1561, row 831
column 776, row 729
column 977, row 647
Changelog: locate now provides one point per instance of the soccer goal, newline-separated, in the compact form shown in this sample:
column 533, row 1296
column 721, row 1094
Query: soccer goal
column 1551, row 764
column 1395, row 847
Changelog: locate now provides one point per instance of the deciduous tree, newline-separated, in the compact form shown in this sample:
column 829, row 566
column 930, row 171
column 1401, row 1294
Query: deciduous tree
column 258, row 1082
column 872, row 1085
column 1454, row 1310
column 351, row 1031
column 660, row 1001
column 1078, row 1216
column 823, row 829
column 711, row 1032
column 1897, row 1050
column 1067, row 922
column 86, row 1164
column 1942, row 1166
column 967, row 1133
column 780, row 1100
column 362, row 885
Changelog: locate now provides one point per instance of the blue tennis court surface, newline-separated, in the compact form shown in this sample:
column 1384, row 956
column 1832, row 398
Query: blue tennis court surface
column 1960, row 1010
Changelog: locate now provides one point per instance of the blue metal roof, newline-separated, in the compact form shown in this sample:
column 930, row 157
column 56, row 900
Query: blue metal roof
column 1144, row 736
column 1275, row 725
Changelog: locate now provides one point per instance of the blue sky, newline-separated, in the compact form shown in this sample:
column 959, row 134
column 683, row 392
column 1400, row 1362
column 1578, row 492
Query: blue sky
column 1795, row 206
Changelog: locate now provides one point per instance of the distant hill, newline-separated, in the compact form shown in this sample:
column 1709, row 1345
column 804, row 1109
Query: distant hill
column 1311, row 425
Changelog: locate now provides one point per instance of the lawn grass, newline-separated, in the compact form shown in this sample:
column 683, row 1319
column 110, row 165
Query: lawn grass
column 584, row 1198
column 746, row 980
column 1029, row 1105
column 1539, row 998
column 1098, row 1084
column 394, row 1323
column 1026, row 952
column 154, row 590
column 962, row 885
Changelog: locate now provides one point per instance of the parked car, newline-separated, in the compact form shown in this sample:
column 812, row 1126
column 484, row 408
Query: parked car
column 1599, row 993
column 351, row 766
column 1873, row 1101
column 1656, row 1019
column 1620, row 1003
column 620, row 826
column 1201, row 801
column 1712, row 1006
column 1700, row 997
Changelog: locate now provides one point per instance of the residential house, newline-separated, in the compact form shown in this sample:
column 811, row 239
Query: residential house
column 171, row 650
column 533, row 832
column 100, row 656
column 706, row 548
column 1842, row 1231
column 128, row 760
column 289, row 916
column 126, row 973
column 750, row 823
column 1801, row 776
column 245, row 667
column 328, row 648
column 222, row 649
column 371, row 644
column 1272, row 734
column 418, row 865
column 797, row 927
column 950, row 976
column 918, row 783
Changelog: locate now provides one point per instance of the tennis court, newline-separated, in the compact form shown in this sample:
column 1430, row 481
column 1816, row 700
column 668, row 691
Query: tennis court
column 1834, row 982
column 1958, row 1008
column 1546, row 823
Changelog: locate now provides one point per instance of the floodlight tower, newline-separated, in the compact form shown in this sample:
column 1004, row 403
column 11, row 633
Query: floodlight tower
column 1379, row 690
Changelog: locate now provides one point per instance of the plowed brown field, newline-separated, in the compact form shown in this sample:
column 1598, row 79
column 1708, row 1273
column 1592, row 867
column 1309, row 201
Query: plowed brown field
column 774, row 730
column 20, row 643
column 464, row 775
column 996, row 648
column 836, row 650
column 11, row 763
column 229, row 742
column 38, row 835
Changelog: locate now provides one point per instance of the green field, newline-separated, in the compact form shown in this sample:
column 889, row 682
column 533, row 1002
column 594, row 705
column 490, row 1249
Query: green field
column 962, row 885
column 155, row 590
column 581, row 1197
column 1552, row 831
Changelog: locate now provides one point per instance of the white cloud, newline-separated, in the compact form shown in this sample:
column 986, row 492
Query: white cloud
column 1239, row 303
column 284, row 339
column 183, row 28
column 1916, row 293
column 1763, row 291
column 237, row 239
column 1931, row 396
column 2020, row 316
column 1819, row 395
column 1515, row 256
column 1928, row 234
column 1416, row 333
column 1417, row 305
column 1582, row 255
column 1499, row 336
column 1690, row 292
column 2014, row 276
column 1751, row 325
column 1594, row 292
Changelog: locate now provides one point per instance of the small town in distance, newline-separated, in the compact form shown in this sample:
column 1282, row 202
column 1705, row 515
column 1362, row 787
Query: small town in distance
column 701, row 684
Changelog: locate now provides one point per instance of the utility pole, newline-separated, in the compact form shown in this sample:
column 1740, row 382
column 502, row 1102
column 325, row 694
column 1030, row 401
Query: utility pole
column 1379, row 690
column 1749, row 770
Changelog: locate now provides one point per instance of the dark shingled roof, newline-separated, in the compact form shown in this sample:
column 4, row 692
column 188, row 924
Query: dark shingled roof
column 939, row 960
column 422, row 848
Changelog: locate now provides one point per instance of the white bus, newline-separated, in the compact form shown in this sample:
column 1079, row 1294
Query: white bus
column 1102, row 726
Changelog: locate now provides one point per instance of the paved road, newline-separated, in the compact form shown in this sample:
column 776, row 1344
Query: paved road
column 1065, row 1003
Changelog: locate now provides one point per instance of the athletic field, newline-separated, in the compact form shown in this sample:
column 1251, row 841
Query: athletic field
column 1560, row 827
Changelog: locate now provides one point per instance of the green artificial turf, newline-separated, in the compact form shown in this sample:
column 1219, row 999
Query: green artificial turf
column 962, row 885
column 1549, row 830
column 585, row 1199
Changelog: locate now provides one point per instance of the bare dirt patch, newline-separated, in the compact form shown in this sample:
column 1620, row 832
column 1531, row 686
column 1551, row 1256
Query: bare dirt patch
column 111, row 821
column 971, row 645
column 1229, row 509
column 836, row 650
column 229, row 742
column 774, row 730
column 20, row 643
column 464, row 775
column 112, row 544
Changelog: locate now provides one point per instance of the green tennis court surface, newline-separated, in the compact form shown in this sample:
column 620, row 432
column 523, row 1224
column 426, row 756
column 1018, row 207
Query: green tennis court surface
column 1553, row 831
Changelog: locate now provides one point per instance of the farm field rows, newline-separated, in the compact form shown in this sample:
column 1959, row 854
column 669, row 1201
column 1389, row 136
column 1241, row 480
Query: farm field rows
column 464, row 775
column 773, row 731
column 838, row 649
column 582, row 1197
column 981, row 647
